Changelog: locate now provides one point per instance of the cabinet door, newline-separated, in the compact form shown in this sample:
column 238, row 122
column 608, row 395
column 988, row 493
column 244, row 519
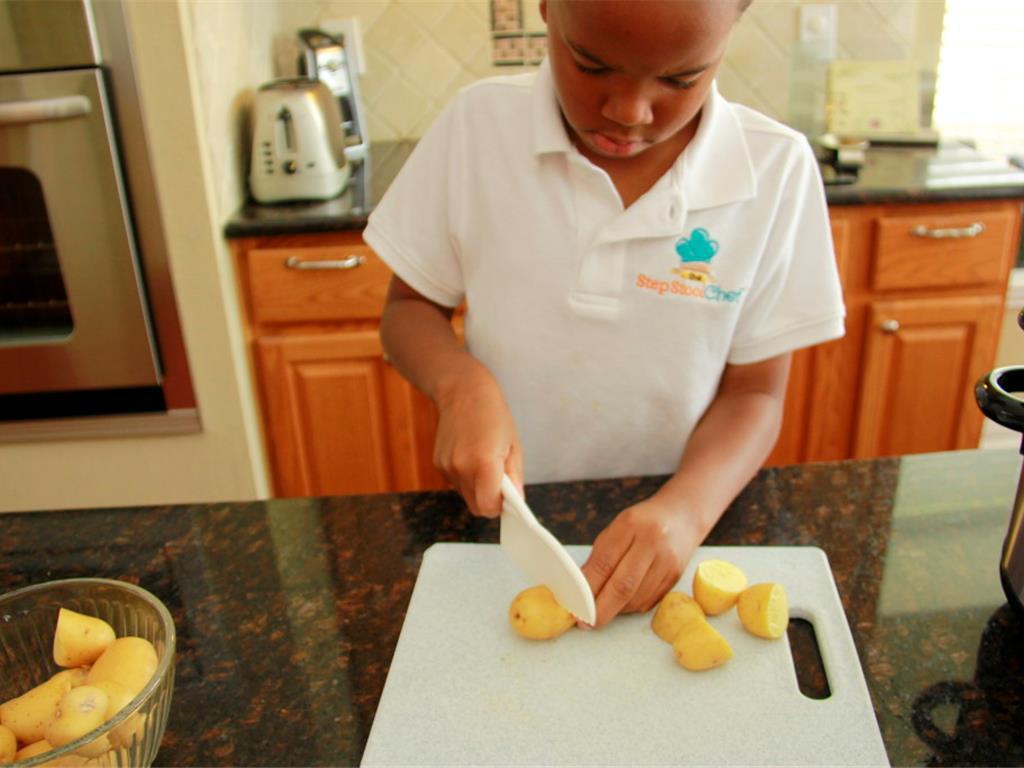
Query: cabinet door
column 922, row 357
column 809, row 431
column 339, row 419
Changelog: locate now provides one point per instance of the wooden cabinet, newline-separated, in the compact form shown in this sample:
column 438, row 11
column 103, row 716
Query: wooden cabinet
column 925, row 288
column 921, row 359
column 337, row 418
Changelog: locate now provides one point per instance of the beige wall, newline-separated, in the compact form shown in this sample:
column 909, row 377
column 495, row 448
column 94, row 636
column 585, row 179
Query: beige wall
column 193, row 148
column 419, row 52
column 200, row 61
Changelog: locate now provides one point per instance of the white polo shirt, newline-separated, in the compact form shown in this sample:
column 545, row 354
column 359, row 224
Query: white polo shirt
column 608, row 328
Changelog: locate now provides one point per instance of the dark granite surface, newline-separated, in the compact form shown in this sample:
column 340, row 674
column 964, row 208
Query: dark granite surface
column 890, row 175
column 348, row 211
column 288, row 611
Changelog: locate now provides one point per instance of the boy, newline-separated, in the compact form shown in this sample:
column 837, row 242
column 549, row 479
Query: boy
column 638, row 257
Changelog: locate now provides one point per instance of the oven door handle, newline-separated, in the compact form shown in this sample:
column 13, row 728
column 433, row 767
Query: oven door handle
column 43, row 110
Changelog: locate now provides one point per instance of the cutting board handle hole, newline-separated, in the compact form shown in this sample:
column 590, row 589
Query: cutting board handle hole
column 810, row 669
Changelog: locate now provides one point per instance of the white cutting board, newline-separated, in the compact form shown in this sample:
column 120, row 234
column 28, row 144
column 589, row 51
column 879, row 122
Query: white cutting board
column 464, row 689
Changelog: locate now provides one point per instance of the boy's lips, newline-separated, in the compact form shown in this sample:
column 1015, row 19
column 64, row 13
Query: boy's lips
column 614, row 145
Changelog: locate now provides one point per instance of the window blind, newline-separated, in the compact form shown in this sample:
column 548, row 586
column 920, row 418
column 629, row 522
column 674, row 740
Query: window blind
column 980, row 88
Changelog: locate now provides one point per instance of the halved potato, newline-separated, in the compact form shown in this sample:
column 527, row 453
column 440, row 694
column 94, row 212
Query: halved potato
column 699, row 646
column 8, row 744
column 764, row 610
column 80, row 639
column 675, row 610
column 717, row 585
column 537, row 615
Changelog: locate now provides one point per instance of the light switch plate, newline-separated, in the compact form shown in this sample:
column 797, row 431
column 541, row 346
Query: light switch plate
column 819, row 25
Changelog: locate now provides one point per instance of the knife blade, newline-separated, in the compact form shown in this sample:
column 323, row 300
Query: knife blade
column 540, row 555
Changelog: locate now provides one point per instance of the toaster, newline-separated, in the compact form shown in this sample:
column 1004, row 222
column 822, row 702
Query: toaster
column 326, row 57
column 298, row 144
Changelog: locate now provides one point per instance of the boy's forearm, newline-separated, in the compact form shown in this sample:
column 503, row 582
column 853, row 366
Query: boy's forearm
column 725, row 451
column 420, row 342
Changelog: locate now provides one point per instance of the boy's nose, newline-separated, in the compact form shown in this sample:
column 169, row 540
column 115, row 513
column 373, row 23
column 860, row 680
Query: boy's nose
column 628, row 106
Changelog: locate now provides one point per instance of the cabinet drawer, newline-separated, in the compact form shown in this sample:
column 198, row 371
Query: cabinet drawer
column 943, row 250
column 335, row 282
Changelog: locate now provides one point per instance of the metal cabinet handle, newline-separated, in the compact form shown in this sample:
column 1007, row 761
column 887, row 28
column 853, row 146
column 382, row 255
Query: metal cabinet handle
column 294, row 262
column 971, row 230
column 889, row 326
column 44, row 110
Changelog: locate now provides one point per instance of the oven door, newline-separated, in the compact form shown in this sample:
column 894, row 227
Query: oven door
column 72, row 309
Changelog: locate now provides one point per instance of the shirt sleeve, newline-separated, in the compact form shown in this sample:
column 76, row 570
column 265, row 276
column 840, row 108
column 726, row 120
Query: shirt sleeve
column 796, row 298
column 410, row 227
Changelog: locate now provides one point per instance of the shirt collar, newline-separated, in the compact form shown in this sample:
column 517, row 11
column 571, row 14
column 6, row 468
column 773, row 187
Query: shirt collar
column 549, row 134
column 714, row 169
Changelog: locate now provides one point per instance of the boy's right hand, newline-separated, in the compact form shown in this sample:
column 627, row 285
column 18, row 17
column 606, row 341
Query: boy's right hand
column 477, row 440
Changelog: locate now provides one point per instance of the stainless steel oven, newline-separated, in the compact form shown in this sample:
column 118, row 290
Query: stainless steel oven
column 76, row 333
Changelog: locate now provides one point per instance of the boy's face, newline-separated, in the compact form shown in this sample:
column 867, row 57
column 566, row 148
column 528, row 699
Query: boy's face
column 633, row 74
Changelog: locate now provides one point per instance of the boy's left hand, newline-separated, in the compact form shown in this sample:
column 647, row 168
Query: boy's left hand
column 639, row 557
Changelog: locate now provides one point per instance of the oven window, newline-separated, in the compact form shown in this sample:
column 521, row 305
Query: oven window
column 33, row 301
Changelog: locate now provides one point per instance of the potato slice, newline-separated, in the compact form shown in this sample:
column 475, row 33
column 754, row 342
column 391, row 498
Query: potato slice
column 675, row 610
column 130, row 661
column 33, row 749
column 39, row 747
column 118, row 697
column 75, row 676
column 537, row 615
column 28, row 714
column 699, row 646
column 8, row 744
column 79, row 639
column 717, row 585
column 764, row 610
column 81, row 710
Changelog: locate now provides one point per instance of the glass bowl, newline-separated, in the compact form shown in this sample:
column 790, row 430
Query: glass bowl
column 28, row 617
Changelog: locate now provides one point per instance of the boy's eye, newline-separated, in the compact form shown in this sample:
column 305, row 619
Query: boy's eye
column 673, row 82
column 590, row 70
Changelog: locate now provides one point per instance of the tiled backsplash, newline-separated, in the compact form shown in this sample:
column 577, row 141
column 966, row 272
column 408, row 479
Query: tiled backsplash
column 419, row 53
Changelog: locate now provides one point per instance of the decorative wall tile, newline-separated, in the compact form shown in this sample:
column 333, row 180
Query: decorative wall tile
column 506, row 15
column 420, row 52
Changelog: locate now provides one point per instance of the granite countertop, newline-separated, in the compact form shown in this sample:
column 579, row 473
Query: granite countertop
column 288, row 610
column 950, row 172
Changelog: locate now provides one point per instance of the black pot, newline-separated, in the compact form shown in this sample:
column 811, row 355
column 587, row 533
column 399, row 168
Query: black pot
column 996, row 398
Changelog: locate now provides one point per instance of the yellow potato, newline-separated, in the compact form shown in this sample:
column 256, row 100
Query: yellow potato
column 75, row 676
column 118, row 697
column 66, row 761
column 8, row 744
column 699, row 646
column 35, row 748
column 717, row 585
column 130, row 661
column 81, row 710
column 536, row 615
column 674, row 611
column 79, row 639
column 28, row 714
column 764, row 610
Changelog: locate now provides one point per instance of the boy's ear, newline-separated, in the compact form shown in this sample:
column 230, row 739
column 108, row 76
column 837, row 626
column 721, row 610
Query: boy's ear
column 544, row 10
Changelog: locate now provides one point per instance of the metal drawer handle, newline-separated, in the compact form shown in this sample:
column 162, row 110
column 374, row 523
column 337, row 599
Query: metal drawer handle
column 44, row 110
column 971, row 230
column 889, row 326
column 294, row 262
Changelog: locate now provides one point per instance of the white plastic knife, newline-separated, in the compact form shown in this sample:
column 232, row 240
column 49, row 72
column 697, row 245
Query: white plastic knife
column 541, row 556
